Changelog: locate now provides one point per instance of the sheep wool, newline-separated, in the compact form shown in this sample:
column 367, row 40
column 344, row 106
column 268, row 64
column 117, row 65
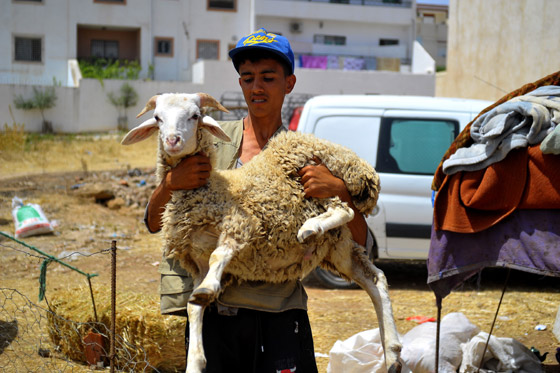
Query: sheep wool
column 261, row 206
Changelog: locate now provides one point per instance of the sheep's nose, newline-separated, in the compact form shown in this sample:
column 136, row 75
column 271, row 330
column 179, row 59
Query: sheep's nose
column 172, row 140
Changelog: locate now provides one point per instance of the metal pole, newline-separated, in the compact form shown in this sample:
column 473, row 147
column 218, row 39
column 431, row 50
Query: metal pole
column 92, row 300
column 494, row 321
column 438, row 304
column 113, row 299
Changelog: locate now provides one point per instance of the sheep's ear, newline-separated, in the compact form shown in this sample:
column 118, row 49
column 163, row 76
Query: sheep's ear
column 142, row 132
column 214, row 128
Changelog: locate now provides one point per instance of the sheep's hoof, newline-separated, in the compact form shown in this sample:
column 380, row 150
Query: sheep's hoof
column 303, row 234
column 395, row 368
column 202, row 296
column 310, row 228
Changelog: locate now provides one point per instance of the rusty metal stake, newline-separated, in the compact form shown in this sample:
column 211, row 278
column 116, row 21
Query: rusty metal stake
column 113, row 301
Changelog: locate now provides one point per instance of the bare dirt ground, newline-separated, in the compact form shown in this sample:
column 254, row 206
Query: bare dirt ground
column 55, row 178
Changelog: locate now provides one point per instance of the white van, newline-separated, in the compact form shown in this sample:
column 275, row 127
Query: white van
column 404, row 138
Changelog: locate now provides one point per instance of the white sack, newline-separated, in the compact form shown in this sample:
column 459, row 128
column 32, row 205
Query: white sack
column 29, row 219
column 419, row 344
column 502, row 355
column 361, row 353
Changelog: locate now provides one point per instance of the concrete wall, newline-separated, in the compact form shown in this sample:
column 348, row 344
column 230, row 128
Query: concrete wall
column 87, row 108
column 495, row 47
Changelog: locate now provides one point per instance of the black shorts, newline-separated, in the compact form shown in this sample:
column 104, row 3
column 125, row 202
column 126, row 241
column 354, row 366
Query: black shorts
column 258, row 342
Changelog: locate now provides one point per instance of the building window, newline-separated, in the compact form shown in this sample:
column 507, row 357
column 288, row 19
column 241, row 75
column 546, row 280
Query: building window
column 208, row 49
column 429, row 18
column 329, row 39
column 164, row 47
column 222, row 5
column 28, row 49
column 108, row 49
column 388, row 41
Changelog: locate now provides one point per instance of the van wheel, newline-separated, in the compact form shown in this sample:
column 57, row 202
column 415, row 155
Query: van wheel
column 332, row 281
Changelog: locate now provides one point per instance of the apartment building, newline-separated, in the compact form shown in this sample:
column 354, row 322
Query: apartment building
column 341, row 47
column 168, row 36
column 431, row 30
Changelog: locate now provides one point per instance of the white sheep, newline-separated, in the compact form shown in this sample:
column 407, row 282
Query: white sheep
column 254, row 223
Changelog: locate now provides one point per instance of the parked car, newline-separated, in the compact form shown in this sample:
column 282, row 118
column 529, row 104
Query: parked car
column 404, row 138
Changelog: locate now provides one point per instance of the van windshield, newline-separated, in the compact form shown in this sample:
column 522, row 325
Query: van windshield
column 414, row 146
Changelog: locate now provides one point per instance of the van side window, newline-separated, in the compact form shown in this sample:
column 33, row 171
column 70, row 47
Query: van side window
column 414, row 146
column 359, row 133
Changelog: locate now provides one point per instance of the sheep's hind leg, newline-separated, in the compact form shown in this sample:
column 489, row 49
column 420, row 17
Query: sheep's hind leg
column 208, row 290
column 361, row 270
column 332, row 218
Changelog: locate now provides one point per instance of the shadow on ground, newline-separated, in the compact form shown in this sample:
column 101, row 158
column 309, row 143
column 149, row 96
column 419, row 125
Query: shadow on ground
column 412, row 275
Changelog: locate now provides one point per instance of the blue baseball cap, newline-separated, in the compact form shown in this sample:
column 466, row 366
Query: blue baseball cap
column 264, row 40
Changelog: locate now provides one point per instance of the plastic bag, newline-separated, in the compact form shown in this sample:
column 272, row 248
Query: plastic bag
column 502, row 355
column 361, row 353
column 29, row 219
column 419, row 344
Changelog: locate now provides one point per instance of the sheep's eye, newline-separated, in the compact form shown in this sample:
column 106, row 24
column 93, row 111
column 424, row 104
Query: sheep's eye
column 195, row 117
column 157, row 118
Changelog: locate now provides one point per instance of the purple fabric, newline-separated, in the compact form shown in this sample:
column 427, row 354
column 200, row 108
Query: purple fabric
column 528, row 240
column 354, row 63
column 333, row 62
column 314, row 62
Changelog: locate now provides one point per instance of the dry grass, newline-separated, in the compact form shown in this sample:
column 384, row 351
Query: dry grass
column 143, row 335
column 23, row 154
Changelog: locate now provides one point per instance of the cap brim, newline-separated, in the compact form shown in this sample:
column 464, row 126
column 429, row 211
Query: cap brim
column 234, row 52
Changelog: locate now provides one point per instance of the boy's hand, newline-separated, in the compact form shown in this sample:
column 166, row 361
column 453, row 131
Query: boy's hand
column 319, row 182
column 191, row 173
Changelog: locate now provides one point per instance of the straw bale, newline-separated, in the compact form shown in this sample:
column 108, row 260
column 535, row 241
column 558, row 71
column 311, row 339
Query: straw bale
column 144, row 338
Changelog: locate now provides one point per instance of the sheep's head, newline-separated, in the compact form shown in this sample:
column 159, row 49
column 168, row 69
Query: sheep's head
column 177, row 116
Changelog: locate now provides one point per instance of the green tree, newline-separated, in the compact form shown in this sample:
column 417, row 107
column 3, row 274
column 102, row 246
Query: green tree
column 42, row 99
column 127, row 98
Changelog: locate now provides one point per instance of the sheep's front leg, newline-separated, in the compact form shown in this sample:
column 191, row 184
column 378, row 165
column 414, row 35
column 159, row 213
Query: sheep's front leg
column 334, row 217
column 210, row 287
column 196, row 360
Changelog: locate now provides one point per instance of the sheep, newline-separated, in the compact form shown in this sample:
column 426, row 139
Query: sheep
column 254, row 223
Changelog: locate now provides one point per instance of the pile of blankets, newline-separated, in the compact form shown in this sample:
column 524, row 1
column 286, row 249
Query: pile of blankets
column 512, row 164
column 498, row 190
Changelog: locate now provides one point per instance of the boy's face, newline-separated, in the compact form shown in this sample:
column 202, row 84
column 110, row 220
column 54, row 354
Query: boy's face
column 264, row 86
